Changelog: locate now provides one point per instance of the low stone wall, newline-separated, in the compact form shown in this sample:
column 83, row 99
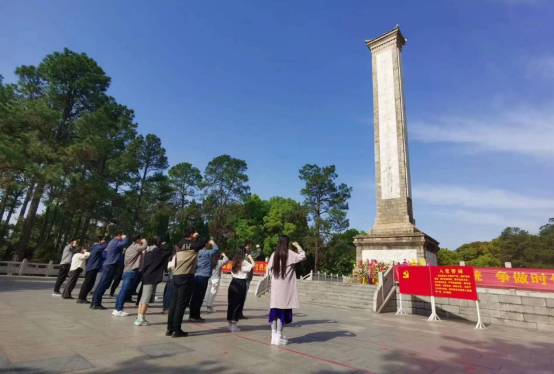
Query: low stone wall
column 508, row 307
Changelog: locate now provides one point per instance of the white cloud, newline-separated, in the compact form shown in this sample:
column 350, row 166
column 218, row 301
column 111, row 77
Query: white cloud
column 493, row 219
column 526, row 131
column 541, row 67
column 482, row 198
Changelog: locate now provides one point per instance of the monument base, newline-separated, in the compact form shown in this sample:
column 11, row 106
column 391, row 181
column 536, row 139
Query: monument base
column 397, row 247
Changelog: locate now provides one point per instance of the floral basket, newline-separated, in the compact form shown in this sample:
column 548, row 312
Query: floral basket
column 367, row 272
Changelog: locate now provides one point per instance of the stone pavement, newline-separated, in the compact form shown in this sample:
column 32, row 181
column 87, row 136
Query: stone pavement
column 44, row 334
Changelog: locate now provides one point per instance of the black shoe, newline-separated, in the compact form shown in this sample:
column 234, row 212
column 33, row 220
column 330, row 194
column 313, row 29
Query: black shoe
column 179, row 334
column 83, row 301
column 197, row 320
column 99, row 307
column 68, row 298
column 243, row 317
column 169, row 333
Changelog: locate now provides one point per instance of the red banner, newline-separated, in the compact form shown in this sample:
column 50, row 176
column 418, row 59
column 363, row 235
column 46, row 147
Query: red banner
column 457, row 282
column 524, row 279
column 261, row 267
column 515, row 278
column 414, row 280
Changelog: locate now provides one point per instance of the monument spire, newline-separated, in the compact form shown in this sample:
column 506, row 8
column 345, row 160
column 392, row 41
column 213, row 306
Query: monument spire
column 395, row 218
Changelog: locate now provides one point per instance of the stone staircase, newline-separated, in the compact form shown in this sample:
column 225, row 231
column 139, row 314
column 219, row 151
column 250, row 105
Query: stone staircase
column 336, row 295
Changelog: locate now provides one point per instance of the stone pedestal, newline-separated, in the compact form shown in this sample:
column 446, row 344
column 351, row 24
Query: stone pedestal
column 397, row 247
column 394, row 237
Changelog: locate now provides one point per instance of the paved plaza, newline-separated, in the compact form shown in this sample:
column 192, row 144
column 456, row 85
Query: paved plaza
column 44, row 334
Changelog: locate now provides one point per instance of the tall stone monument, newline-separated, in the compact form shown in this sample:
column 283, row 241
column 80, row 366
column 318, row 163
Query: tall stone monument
column 394, row 237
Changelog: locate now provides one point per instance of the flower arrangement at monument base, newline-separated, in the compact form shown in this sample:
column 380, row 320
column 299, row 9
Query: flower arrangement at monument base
column 411, row 262
column 367, row 272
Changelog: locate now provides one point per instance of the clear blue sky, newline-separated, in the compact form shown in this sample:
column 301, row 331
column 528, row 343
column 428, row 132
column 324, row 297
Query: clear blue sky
column 282, row 84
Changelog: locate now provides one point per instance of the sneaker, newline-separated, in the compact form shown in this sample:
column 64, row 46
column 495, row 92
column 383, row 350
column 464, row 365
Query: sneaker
column 57, row 294
column 119, row 313
column 169, row 333
column 179, row 334
column 164, row 310
column 233, row 328
column 143, row 322
column 209, row 309
column 98, row 307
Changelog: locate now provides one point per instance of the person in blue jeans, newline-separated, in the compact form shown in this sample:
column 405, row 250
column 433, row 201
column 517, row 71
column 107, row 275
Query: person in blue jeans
column 168, row 291
column 203, row 273
column 114, row 251
column 133, row 264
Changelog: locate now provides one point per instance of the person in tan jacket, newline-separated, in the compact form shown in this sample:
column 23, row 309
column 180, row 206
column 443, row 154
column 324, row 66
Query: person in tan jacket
column 184, row 263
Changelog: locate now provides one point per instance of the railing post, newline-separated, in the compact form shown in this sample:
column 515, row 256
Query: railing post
column 311, row 275
column 49, row 268
column 23, row 267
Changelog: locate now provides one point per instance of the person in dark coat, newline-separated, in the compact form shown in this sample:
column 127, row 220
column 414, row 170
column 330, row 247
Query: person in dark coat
column 154, row 265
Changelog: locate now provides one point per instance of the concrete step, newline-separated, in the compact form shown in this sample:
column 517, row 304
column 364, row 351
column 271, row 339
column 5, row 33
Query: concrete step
column 342, row 297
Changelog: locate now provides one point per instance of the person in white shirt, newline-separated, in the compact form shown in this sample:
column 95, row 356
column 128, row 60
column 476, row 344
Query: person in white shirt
column 213, row 284
column 77, row 266
column 242, row 264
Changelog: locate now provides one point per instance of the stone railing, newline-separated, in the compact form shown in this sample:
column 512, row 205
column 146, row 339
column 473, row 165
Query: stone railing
column 28, row 268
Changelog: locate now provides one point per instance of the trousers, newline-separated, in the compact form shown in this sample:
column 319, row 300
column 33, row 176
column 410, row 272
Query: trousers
column 62, row 275
column 182, row 291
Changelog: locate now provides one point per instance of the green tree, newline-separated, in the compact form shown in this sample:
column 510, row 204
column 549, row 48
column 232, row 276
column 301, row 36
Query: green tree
column 339, row 255
column 55, row 95
column 152, row 159
column 326, row 202
column 225, row 185
column 185, row 180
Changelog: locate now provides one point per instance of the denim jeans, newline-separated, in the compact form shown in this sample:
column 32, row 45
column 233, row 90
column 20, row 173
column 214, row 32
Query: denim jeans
column 198, row 293
column 108, row 273
column 128, row 282
column 169, row 291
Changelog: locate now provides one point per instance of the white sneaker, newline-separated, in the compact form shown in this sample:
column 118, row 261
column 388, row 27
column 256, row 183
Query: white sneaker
column 120, row 313
column 56, row 294
column 144, row 322
column 280, row 340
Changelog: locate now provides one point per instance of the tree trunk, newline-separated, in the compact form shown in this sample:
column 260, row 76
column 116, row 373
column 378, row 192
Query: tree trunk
column 13, row 206
column 66, row 233
column 77, row 228
column 30, row 220
column 52, row 221
column 44, row 224
column 60, row 232
column 137, row 208
column 4, row 202
column 26, row 202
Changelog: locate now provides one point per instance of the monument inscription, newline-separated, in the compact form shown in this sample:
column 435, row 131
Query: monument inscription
column 388, row 150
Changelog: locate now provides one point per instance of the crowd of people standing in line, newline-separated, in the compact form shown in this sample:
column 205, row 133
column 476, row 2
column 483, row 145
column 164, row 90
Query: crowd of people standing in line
column 194, row 269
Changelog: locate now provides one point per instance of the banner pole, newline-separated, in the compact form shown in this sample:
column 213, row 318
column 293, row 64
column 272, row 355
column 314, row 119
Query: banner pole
column 480, row 324
column 433, row 316
column 400, row 311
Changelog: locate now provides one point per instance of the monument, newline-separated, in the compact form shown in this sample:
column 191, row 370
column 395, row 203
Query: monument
column 394, row 237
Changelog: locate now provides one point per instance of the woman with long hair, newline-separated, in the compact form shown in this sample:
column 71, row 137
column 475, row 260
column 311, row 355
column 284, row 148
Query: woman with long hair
column 155, row 262
column 284, row 293
column 242, row 264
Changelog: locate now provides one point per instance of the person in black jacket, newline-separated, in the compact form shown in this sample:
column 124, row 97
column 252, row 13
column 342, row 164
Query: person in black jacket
column 154, row 265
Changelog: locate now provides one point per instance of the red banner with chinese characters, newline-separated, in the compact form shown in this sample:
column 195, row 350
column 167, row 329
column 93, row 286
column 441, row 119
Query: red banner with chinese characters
column 457, row 282
column 414, row 280
column 524, row 279
column 261, row 267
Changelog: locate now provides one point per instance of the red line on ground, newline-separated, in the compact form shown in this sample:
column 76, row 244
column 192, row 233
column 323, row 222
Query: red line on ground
column 291, row 350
